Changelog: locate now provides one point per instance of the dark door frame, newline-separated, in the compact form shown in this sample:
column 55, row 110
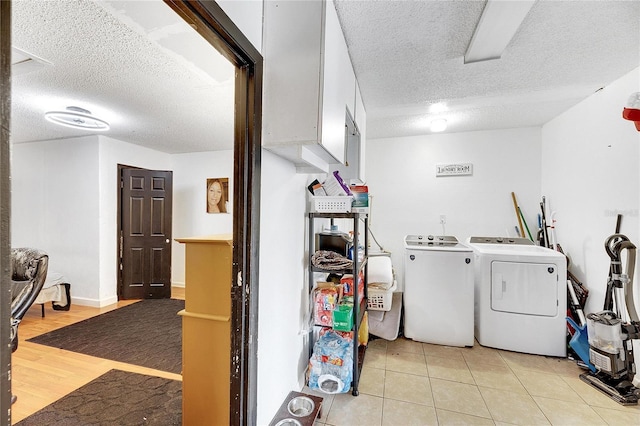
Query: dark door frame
column 5, row 212
column 216, row 27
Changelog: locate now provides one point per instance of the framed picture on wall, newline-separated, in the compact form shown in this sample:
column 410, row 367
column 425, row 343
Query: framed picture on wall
column 217, row 195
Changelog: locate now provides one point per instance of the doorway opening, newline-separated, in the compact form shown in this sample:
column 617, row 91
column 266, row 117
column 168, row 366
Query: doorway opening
column 213, row 24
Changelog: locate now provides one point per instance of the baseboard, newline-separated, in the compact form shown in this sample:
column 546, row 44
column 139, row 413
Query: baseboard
column 94, row 303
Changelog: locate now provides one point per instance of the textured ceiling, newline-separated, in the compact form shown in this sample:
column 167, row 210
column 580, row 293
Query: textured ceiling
column 408, row 55
column 135, row 64
column 138, row 66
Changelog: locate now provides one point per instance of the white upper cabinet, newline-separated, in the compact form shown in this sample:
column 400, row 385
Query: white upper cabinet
column 309, row 83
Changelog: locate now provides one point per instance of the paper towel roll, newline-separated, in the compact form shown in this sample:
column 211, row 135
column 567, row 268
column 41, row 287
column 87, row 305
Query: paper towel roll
column 380, row 271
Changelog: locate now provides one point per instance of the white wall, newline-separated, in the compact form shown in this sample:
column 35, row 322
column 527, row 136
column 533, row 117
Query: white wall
column 283, row 298
column 247, row 15
column 408, row 198
column 55, row 207
column 190, row 217
column 589, row 175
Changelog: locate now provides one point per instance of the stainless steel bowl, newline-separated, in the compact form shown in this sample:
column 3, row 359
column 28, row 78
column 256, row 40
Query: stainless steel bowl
column 301, row 406
column 288, row 422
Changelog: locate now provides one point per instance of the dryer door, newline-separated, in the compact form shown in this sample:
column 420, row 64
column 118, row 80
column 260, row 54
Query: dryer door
column 524, row 288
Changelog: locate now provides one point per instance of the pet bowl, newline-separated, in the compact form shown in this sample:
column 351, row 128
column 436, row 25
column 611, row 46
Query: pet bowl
column 301, row 406
column 288, row 422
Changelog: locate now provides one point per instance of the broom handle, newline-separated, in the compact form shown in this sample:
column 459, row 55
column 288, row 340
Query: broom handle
column 515, row 206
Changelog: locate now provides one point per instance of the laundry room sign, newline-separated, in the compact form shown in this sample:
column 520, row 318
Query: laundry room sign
column 458, row 169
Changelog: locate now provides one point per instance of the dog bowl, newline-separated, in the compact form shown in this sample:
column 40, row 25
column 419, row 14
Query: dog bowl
column 288, row 422
column 301, row 406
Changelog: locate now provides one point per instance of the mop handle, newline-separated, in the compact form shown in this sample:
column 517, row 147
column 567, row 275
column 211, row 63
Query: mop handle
column 525, row 223
column 515, row 206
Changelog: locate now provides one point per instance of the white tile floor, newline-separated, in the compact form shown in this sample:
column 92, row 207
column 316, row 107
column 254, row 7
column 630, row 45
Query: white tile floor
column 410, row 383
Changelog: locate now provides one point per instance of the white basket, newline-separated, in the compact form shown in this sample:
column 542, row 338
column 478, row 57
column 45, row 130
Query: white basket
column 380, row 300
column 341, row 204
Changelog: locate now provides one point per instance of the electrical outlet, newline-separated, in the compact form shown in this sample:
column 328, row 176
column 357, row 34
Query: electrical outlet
column 443, row 219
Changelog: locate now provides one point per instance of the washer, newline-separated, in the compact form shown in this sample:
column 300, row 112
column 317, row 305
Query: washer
column 520, row 296
column 438, row 290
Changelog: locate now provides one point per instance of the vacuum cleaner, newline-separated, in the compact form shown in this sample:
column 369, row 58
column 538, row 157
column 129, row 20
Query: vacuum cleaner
column 611, row 332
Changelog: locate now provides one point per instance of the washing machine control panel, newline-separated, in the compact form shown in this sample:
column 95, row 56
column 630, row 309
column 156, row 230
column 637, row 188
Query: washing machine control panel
column 501, row 240
column 430, row 240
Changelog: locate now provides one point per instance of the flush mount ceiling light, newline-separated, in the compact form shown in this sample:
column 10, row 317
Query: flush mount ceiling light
column 438, row 125
column 438, row 107
column 77, row 118
column 498, row 24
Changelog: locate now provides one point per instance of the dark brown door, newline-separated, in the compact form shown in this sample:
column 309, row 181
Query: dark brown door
column 145, row 255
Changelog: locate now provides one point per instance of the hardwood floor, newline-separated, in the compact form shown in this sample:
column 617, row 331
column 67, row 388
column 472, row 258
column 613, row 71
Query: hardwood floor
column 41, row 374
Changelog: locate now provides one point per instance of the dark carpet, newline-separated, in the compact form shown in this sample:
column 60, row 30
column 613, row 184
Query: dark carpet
column 116, row 398
column 146, row 333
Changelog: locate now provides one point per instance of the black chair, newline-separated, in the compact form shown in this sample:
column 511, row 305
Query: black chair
column 28, row 273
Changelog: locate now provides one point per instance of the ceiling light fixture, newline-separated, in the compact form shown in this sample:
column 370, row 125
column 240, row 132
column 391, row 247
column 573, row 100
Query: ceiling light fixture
column 498, row 24
column 77, row 118
column 438, row 107
column 438, row 125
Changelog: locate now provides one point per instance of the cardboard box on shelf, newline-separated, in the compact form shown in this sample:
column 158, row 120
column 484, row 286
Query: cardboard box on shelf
column 343, row 317
column 360, row 199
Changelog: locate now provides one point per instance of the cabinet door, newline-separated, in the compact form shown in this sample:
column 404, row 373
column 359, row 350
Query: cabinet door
column 339, row 86
column 350, row 171
column 361, row 124
column 292, row 72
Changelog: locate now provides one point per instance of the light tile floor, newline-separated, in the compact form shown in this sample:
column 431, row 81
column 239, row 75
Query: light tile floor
column 410, row 383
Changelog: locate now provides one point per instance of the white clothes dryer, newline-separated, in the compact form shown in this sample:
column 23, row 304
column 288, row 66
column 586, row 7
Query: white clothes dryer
column 438, row 290
column 520, row 296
